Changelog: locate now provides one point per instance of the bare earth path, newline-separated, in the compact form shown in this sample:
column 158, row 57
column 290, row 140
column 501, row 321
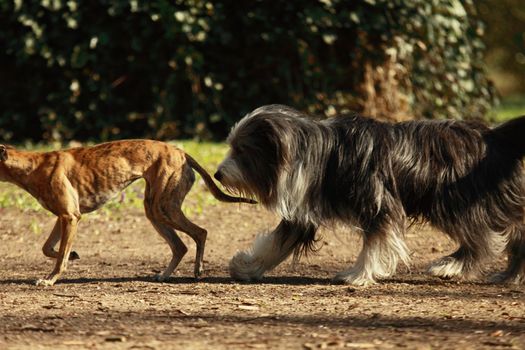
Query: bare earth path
column 107, row 299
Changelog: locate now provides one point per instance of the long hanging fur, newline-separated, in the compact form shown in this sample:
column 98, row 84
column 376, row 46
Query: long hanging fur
column 464, row 178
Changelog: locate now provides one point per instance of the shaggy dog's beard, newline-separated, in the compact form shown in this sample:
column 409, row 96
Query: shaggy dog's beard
column 463, row 178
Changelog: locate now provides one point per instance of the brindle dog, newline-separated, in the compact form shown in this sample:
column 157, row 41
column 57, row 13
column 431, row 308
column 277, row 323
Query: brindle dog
column 80, row 180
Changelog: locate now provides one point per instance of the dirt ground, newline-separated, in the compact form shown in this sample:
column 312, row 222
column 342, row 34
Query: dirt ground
column 108, row 300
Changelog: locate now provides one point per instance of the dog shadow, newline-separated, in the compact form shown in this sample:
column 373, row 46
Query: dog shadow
column 286, row 280
column 416, row 281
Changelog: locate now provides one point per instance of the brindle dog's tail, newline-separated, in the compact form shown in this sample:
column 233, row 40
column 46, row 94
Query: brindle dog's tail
column 215, row 191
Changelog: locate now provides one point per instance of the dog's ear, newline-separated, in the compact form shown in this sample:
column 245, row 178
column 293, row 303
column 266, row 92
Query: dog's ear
column 3, row 153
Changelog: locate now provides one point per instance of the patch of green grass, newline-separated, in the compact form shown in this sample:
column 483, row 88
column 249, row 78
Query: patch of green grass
column 510, row 108
column 208, row 154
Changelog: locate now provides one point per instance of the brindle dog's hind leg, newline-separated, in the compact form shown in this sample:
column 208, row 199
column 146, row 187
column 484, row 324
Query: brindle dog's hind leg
column 176, row 190
column 164, row 195
column 178, row 249
column 180, row 222
column 49, row 246
column 160, row 193
column 154, row 215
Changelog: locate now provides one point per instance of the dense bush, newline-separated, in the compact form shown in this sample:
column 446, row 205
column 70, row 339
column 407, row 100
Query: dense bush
column 112, row 69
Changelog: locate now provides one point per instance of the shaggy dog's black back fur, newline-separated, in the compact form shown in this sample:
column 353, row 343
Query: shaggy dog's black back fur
column 440, row 171
column 462, row 177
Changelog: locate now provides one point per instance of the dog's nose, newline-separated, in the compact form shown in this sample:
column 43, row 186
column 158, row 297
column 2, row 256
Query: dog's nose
column 218, row 176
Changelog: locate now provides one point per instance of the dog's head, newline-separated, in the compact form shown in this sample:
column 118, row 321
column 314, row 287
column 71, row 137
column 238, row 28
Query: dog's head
column 259, row 152
column 3, row 153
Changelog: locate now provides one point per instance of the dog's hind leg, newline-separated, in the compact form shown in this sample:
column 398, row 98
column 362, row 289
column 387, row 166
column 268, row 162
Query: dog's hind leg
column 159, row 218
column 164, row 194
column 178, row 249
column 461, row 263
column 49, row 246
column 515, row 272
column 382, row 250
column 269, row 250
column 197, row 233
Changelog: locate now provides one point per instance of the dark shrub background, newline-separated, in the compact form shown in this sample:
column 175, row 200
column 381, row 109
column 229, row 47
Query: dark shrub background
column 165, row 69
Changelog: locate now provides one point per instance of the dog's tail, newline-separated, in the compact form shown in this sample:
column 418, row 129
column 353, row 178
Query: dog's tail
column 215, row 191
column 512, row 133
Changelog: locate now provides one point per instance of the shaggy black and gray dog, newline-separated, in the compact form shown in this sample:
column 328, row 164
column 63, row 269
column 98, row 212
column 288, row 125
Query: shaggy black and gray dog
column 464, row 178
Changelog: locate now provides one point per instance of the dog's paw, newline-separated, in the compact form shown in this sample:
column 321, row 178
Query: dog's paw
column 44, row 282
column 198, row 272
column 244, row 267
column 499, row 277
column 506, row 278
column 355, row 278
column 73, row 256
column 447, row 267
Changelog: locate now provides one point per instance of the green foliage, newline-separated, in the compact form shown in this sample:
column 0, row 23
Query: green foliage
column 163, row 69
column 442, row 45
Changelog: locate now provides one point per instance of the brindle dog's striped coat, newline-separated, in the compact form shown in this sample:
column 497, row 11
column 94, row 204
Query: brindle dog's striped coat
column 72, row 182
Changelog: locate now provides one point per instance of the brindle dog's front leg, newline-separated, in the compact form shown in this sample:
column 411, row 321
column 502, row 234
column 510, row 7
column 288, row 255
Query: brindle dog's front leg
column 49, row 247
column 68, row 228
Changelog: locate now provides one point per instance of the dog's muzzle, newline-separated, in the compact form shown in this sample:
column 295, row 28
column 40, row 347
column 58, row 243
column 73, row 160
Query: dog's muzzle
column 218, row 176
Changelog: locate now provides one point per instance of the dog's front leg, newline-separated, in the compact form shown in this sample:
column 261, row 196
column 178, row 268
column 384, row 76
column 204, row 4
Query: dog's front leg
column 68, row 227
column 268, row 251
column 49, row 247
